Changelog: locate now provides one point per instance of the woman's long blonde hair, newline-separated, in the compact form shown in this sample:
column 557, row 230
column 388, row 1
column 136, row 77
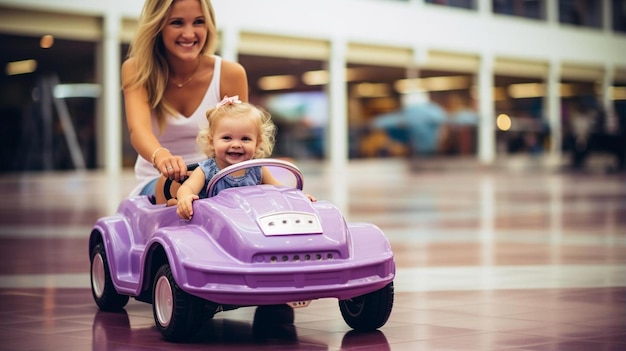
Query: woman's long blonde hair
column 148, row 50
column 262, row 118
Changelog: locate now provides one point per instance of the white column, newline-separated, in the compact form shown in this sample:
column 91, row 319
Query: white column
column 611, row 120
column 419, row 4
column 607, row 83
column 553, row 110
column 229, row 45
column 337, row 144
column 607, row 19
column 111, row 83
column 484, row 7
column 486, row 109
column 485, row 85
column 100, row 103
column 552, row 12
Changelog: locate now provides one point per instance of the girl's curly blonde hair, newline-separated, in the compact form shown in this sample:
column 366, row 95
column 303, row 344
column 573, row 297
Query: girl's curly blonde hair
column 266, row 128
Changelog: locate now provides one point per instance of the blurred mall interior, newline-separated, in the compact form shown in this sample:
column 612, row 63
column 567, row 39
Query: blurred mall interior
column 486, row 138
column 501, row 78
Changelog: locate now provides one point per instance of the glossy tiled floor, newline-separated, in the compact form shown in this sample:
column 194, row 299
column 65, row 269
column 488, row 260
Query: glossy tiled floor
column 494, row 259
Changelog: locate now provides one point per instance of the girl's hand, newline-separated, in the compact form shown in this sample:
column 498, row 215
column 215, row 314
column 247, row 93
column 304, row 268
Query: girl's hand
column 184, row 207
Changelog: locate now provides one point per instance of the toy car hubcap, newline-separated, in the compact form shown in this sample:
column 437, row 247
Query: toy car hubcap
column 97, row 275
column 355, row 306
column 163, row 301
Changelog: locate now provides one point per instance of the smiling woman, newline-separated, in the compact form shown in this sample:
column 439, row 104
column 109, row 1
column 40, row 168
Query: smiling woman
column 170, row 80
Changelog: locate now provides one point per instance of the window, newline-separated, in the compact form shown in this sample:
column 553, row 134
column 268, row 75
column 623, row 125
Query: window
column 466, row 4
column 534, row 9
column 584, row 13
column 619, row 15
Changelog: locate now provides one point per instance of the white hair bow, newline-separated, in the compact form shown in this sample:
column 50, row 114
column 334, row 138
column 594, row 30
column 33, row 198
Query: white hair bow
column 228, row 101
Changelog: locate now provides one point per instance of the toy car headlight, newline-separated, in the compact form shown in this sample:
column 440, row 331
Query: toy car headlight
column 288, row 223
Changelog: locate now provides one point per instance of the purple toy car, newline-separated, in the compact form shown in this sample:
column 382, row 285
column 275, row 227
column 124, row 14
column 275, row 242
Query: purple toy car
column 246, row 246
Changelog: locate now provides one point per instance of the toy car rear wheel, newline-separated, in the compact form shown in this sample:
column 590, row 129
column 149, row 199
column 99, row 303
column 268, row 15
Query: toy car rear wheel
column 370, row 311
column 102, row 289
column 176, row 313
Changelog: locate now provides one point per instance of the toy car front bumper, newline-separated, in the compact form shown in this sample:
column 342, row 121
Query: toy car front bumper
column 276, row 285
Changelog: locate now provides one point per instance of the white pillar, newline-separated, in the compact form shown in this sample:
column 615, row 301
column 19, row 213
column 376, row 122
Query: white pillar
column 607, row 83
column 484, row 7
column 607, row 18
column 552, row 13
column 611, row 121
column 112, row 94
column 100, row 103
column 486, row 109
column 553, row 110
column 229, row 45
column 419, row 4
column 337, row 144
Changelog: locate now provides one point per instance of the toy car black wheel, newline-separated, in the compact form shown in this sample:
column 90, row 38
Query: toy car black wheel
column 102, row 288
column 370, row 311
column 176, row 313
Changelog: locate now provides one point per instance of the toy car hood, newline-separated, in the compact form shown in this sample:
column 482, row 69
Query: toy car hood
column 254, row 218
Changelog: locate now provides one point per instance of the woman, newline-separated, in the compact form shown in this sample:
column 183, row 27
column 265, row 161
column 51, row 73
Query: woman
column 170, row 80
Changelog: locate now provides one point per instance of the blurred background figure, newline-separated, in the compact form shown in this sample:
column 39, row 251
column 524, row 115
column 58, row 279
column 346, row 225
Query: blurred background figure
column 418, row 124
column 590, row 130
column 459, row 132
column 583, row 120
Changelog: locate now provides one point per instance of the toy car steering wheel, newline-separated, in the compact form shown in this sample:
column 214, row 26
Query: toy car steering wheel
column 168, row 182
column 211, row 188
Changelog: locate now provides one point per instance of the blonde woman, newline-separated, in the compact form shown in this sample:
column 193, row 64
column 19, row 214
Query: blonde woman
column 170, row 80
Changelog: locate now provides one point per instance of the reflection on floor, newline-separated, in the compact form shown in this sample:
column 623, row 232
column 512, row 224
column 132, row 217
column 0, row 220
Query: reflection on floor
column 487, row 260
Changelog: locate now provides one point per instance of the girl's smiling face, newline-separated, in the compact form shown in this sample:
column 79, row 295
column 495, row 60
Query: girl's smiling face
column 235, row 139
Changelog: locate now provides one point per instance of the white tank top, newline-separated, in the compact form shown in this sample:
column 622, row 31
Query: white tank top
column 179, row 133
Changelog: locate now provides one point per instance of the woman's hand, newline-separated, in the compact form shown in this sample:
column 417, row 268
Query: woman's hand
column 170, row 166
